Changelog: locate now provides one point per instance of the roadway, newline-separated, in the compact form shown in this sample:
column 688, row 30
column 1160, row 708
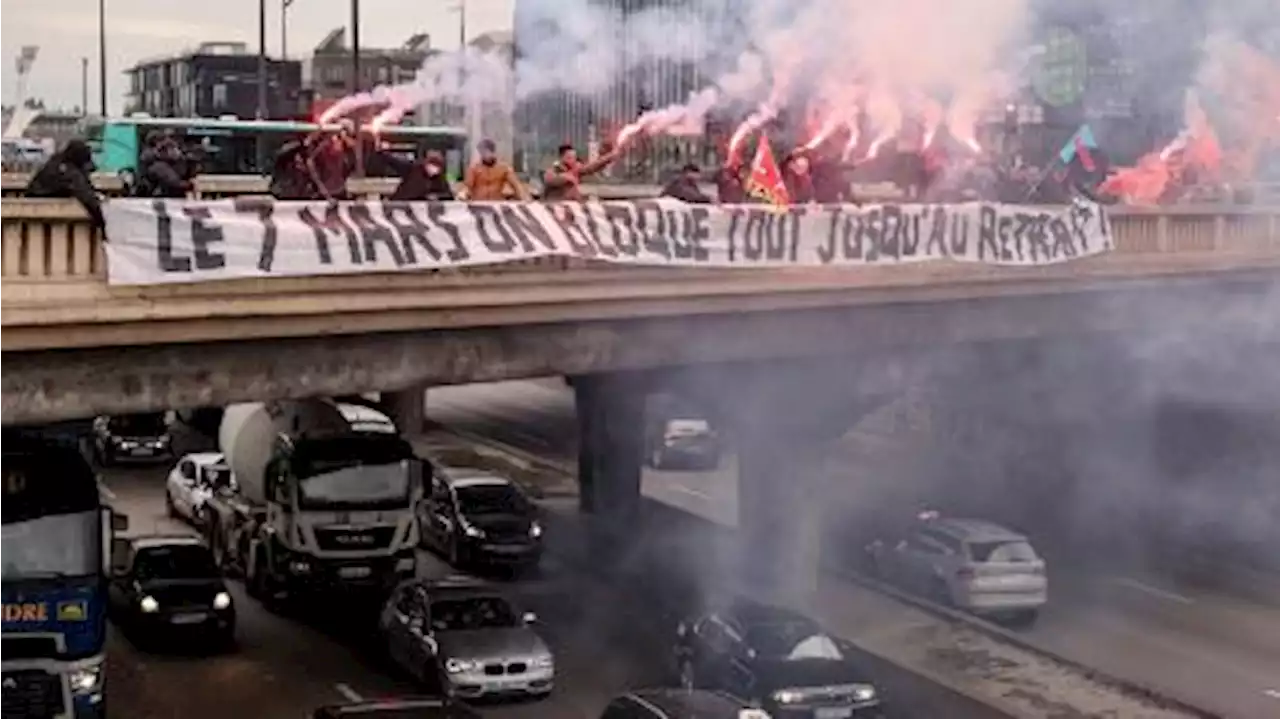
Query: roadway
column 608, row 634
column 1215, row 648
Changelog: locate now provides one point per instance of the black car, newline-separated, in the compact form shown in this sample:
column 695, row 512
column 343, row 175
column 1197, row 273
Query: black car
column 779, row 659
column 132, row 437
column 164, row 587
column 684, row 443
column 402, row 708
column 679, row 704
column 473, row 516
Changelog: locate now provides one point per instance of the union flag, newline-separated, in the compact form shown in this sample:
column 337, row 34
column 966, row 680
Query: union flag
column 765, row 181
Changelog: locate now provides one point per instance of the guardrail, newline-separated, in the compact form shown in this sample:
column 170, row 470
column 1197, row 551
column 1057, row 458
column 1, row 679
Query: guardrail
column 52, row 239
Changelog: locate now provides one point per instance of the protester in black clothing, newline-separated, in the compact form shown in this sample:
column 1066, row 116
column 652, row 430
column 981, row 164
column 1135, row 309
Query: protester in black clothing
column 67, row 174
column 830, row 186
column 330, row 160
column 684, row 187
column 731, row 185
column 290, row 179
column 424, row 180
column 162, row 168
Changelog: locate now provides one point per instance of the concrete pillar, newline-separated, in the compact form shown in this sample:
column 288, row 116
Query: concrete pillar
column 408, row 408
column 610, row 446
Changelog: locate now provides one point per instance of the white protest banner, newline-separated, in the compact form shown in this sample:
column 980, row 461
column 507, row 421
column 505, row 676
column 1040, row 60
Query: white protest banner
column 166, row 241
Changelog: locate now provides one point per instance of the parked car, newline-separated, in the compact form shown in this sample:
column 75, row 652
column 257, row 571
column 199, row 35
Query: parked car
column 192, row 481
column 466, row 637
column 474, row 516
column 398, row 708
column 679, row 704
column 167, row 587
column 775, row 658
column 968, row 563
column 136, row 437
column 684, row 443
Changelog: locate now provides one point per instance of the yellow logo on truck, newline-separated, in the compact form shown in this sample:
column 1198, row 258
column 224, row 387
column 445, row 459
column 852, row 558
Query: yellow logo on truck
column 26, row 612
column 74, row 611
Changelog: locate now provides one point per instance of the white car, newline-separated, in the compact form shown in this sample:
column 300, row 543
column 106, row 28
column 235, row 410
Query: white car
column 967, row 563
column 192, row 481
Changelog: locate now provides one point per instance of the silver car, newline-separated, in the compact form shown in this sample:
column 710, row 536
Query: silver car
column 468, row 637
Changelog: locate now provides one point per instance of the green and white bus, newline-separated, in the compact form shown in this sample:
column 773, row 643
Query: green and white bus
column 230, row 146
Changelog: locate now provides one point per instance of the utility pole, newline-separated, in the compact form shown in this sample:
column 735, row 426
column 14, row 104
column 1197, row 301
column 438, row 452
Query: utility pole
column 355, row 46
column 102, row 57
column 262, row 60
column 84, row 87
column 284, row 28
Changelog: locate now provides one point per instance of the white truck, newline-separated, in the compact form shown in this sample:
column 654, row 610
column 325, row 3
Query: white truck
column 323, row 502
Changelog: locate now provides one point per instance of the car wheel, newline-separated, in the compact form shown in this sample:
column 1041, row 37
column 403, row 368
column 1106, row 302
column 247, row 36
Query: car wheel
column 688, row 676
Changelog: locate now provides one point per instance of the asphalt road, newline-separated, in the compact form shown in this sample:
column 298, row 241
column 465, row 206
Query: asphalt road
column 1218, row 649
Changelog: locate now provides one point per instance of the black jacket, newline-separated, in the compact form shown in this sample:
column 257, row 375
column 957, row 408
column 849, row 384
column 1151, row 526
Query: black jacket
column 159, row 176
column 416, row 184
column 66, row 174
column 685, row 190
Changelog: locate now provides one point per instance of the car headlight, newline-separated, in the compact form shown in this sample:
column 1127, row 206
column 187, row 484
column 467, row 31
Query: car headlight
column 86, row 680
column 299, row 567
column 221, row 600
column 126, row 444
column 544, row 662
column 149, row 604
column 472, row 530
column 535, row 530
column 458, row 666
column 788, row 696
column 863, row 692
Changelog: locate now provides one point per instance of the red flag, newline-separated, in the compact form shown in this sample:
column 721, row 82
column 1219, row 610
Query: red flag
column 766, row 180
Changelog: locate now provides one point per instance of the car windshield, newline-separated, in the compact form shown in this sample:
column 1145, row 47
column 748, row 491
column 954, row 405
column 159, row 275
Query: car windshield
column 59, row 545
column 217, row 475
column 350, row 484
column 141, row 425
column 491, row 499
column 472, row 613
column 1002, row 551
column 791, row 641
column 188, row 561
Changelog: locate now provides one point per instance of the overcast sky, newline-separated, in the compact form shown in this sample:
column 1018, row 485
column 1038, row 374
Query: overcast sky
column 67, row 30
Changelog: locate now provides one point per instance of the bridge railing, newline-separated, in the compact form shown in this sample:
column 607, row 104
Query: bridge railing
column 52, row 240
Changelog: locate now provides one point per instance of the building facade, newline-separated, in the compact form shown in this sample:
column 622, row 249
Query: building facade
column 213, row 80
column 330, row 70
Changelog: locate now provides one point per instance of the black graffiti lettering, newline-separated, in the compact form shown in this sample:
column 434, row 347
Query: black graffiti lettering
column 652, row 226
column 411, row 231
column 436, row 213
column 1037, row 234
column 775, row 242
column 1062, row 244
column 372, row 232
column 752, row 235
column 164, row 241
column 625, row 237
column 484, row 216
column 851, row 239
column 527, row 228
column 204, row 234
column 593, row 226
column 735, row 224
column 579, row 241
column 793, row 230
column 871, row 233
column 332, row 222
column 697, row 232
column 891, row 237
column 1004, row 234
column 959, row 234
column 827, row 250
column 936, row 246
column 1021, row 227
column 265, row 210
column 1080, row 216
column 678, row 221
column 988, row 233
column 911, row 234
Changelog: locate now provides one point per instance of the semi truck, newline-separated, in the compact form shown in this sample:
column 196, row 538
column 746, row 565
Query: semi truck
column 56, row 555
column 318, row 504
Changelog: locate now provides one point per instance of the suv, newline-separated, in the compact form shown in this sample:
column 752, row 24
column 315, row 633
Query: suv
column 679, row 704
column 969, row 563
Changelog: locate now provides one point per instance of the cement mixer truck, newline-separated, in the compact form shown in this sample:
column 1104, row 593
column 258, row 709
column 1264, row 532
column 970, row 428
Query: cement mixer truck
column 319, row 505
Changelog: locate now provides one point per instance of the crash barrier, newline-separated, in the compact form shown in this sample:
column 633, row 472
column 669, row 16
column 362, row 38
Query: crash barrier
column 53, row 240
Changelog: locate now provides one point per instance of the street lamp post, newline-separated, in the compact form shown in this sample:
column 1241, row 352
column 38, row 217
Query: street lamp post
column 262, row 59
column 284, row 28
column 84, row 87
column 355, row 46
column 102, row 57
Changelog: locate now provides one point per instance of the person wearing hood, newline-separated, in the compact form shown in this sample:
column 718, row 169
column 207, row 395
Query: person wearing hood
column 685, row 186
column 423, row 180
column 490, row 180
column 67, row 174
column 158, row 167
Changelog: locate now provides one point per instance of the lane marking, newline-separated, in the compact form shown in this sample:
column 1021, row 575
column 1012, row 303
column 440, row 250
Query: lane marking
column 691, row 492
column 348, row 693
column 1153, row 591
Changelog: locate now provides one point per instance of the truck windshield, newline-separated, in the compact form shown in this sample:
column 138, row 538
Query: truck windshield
column 62, row 545
column 359, row 486
column 140, row 425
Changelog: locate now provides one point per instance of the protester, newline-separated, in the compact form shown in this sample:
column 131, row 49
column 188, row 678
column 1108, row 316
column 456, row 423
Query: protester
column 731, row 184
column 162, row 170
column 424, row 180
column 330, row 161
column 490, row 180
column 684, row 187
column 830, row 185
column 563, row 180
column 68, row 174
column 796, row 176
column 290, row 178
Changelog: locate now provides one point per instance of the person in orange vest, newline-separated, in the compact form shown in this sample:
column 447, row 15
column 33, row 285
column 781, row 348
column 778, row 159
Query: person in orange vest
column 490, row 180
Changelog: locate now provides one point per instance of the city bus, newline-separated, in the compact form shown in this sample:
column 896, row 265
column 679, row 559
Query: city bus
column 56, row 553
column 230, row 146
